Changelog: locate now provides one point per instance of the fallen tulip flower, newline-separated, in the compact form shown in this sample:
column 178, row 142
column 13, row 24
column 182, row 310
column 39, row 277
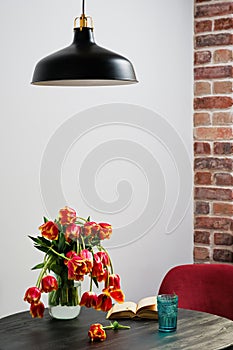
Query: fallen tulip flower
column 96, row 332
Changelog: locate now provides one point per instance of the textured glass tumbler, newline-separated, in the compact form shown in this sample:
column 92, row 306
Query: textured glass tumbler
column 167, row 312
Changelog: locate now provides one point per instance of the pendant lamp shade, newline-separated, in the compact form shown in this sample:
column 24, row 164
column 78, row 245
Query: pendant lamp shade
column 84, row 63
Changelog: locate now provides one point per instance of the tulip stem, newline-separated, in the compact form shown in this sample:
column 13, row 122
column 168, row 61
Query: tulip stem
column 79, row 217
column 91, row 284
column 110, row 261
column 115, row 325
column 61, row 255
column 83, row 243
column 41, row 275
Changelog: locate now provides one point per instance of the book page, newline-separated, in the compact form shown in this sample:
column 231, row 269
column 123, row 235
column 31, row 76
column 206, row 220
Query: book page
column 127, row 305
column 146, row 302
column 124, row 307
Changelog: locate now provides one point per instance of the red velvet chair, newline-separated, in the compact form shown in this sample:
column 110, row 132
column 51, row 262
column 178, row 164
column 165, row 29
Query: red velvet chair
column 202, row 287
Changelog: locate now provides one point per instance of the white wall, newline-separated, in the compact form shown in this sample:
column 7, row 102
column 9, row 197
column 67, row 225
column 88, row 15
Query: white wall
column 147, row 130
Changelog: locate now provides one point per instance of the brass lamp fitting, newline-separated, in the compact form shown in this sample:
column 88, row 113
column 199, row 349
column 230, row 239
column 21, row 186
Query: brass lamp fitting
column 83, row 22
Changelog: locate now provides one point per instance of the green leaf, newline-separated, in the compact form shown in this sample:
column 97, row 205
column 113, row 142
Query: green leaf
column 44, row 241
column 38, row 266
column 43, row 249
column 45, row 219
column 61, row 242
column 88, row 219
column 34, row 239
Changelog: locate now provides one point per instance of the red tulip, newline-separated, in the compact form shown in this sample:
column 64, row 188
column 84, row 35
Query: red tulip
column 86, row 255
column 48, row 284
column 77, row 265
column 113, row 288
column 37, row 309
column 90, row 229
column 67, row 216
column 96, row 332
column 98, row 270
column 104, row 258
column 72, row 232
column 104, row 302
column 105, row 231
column 114, row 282
column 32, row 295
column 89, row 299
column 70, row 255
column 49, row 230
column 118, row 295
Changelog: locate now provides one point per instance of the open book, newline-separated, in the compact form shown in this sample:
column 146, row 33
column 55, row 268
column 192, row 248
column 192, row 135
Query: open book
column 145, row 308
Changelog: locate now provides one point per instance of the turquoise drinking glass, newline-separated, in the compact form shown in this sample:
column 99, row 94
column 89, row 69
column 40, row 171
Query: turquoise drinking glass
column 167, row 312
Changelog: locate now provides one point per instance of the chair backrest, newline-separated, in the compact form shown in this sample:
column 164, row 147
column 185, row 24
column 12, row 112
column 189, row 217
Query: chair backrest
column 202, row 287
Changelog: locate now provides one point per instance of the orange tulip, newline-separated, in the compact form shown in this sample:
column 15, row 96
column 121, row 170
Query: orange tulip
column 105, row 230
column 96, row 332
column 49, row 230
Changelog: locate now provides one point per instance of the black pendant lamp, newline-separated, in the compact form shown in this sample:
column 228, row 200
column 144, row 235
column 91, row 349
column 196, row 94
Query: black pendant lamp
column 84, row 63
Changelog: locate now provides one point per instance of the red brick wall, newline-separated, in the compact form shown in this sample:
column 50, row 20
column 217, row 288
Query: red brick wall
column 213, row 131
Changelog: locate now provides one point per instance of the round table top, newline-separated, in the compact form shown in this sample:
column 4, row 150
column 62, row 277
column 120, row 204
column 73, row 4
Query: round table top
column 194, row 330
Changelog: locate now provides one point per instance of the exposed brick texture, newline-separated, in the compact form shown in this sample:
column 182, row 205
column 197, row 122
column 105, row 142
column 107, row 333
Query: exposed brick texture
column 223, row 179
column 223, row 209
column 215, row 72
column 223, row 238
column 223, row 147
column 224, row 194
column 215, row 102
column 201, row 148
column 222, row 23
column 223, row 255
column 202, row 237
column 209, row 10
column 203, row 178
column 213, row 163
column 202, row 119
column 222, row 56
column 203, row 26
column 201, row 57
column 221, row 118
column 213, row 223
column 213, row 40
column 202, row 88
column 201, row 253
column 222, row 87
column 213, row 131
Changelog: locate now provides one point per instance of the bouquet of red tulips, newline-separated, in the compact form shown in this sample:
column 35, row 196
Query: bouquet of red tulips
column 73, row 249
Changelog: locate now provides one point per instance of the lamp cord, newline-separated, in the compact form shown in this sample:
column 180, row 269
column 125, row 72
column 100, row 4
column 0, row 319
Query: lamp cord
column 83, row 7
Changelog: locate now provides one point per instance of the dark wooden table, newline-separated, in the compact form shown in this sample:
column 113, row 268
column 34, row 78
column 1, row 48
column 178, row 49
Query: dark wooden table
column 196, row 330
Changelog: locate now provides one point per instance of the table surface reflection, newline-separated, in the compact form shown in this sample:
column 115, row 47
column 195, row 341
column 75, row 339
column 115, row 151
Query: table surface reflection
column 195, row 330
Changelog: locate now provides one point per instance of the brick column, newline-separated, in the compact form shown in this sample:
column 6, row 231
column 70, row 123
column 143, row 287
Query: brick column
column 213, row 131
